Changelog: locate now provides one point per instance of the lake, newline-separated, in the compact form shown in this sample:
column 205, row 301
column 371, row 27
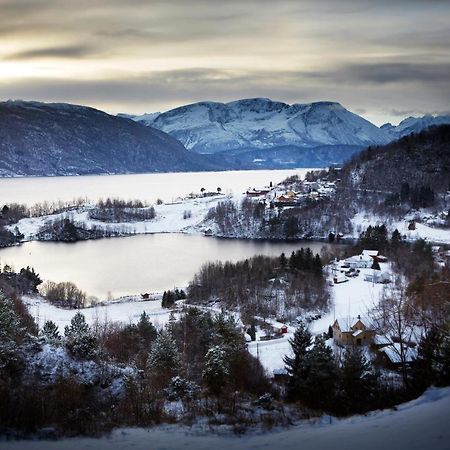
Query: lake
column 137, row 264
column 148, row 187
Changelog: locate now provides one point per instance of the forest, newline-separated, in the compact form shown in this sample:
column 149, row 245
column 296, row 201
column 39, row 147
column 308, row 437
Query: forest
column 262, row 286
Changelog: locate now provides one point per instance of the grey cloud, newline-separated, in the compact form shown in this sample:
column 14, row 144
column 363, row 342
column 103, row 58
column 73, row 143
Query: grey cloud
column 68, row 51
column 392, row 72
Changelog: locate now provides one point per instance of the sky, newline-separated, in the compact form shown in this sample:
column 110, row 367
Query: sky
column 382, row 59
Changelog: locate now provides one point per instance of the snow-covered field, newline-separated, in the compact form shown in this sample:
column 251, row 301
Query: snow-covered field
column 362, row 220
column 128, row 311
column 417, row 425
column 169, row 219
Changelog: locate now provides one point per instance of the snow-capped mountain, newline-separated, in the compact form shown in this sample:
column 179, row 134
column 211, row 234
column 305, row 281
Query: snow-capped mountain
column 260, row 123
column 414, row 125
column 146, row 119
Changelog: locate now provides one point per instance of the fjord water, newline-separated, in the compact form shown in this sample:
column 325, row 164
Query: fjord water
column 148, row 187
column 136, row 264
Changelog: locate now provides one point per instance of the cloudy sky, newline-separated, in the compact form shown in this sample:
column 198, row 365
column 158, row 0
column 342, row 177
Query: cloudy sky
column 383, row 59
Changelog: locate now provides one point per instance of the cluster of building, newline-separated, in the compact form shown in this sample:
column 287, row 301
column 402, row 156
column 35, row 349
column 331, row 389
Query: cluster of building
column 368, row 259
column 304, row 192
column 360, row 332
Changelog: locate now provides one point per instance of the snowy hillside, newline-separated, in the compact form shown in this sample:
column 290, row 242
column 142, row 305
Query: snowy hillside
column 260, row 123
column 43, row 139
column 414, row 125
column 416, row 425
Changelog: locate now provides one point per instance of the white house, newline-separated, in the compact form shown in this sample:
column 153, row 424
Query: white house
column 362, row 261
column 378, row 276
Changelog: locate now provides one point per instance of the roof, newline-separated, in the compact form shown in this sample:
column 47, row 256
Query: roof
column 345, row 323
column 381, row 340
column 393, row 353
column 369, row 253
column 357, row 333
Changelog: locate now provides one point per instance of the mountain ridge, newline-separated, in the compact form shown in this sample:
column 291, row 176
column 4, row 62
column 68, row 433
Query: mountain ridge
column 63, row 139
column 207, row 126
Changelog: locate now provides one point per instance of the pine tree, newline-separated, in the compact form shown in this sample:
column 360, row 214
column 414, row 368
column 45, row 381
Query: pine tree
column 146, row 330
column 396, row 238
column 216, row 370
column 297, row 365
column 318, row 387
column 79, row 338
column 164, row 359
column 357, row 383
column 283, row 261
column 10, row 326
column 50, row 333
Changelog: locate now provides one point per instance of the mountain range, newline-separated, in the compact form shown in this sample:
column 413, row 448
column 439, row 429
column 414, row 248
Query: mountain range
column 45, row 139
column 260, row 132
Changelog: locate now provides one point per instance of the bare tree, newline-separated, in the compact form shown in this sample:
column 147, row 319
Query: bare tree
column 395, row 318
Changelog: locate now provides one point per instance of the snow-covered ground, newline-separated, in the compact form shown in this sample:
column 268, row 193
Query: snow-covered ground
column 417, row 425
column 169, row 218
column 362, row 220
column 350, row 299
column 128, row 311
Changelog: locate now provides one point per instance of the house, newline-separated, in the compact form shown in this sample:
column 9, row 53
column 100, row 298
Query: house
column 391, row 355
column 364, row 260
column 284, row 200
column 258, row 192
column 378, row 276
column 359, row 333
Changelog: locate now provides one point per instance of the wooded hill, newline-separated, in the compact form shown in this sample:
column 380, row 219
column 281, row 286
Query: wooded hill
column 421, row 159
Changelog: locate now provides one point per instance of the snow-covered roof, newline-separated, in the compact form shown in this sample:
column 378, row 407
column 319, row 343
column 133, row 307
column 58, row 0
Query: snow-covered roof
column 357, row 333
column 345, row 323
column 381, row 340
column 369, row 253
column 393, row 353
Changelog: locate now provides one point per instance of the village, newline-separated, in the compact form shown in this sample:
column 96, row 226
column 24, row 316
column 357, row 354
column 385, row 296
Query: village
column 357, row 284
column 281, row 196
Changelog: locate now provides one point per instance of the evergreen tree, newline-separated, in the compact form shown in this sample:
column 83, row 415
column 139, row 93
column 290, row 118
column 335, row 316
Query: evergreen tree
column 10, row 326
column 50, row 333
column 146, row 330
column 318, row 387
column 226, row 331
column 164, row 359
column 357, row 383
column 79, row 338
column 297, row 365
column 168, row 299
column 396, row 238
column 441, row 363
column 215, row 373
column 283, row 261
column 317, row 266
